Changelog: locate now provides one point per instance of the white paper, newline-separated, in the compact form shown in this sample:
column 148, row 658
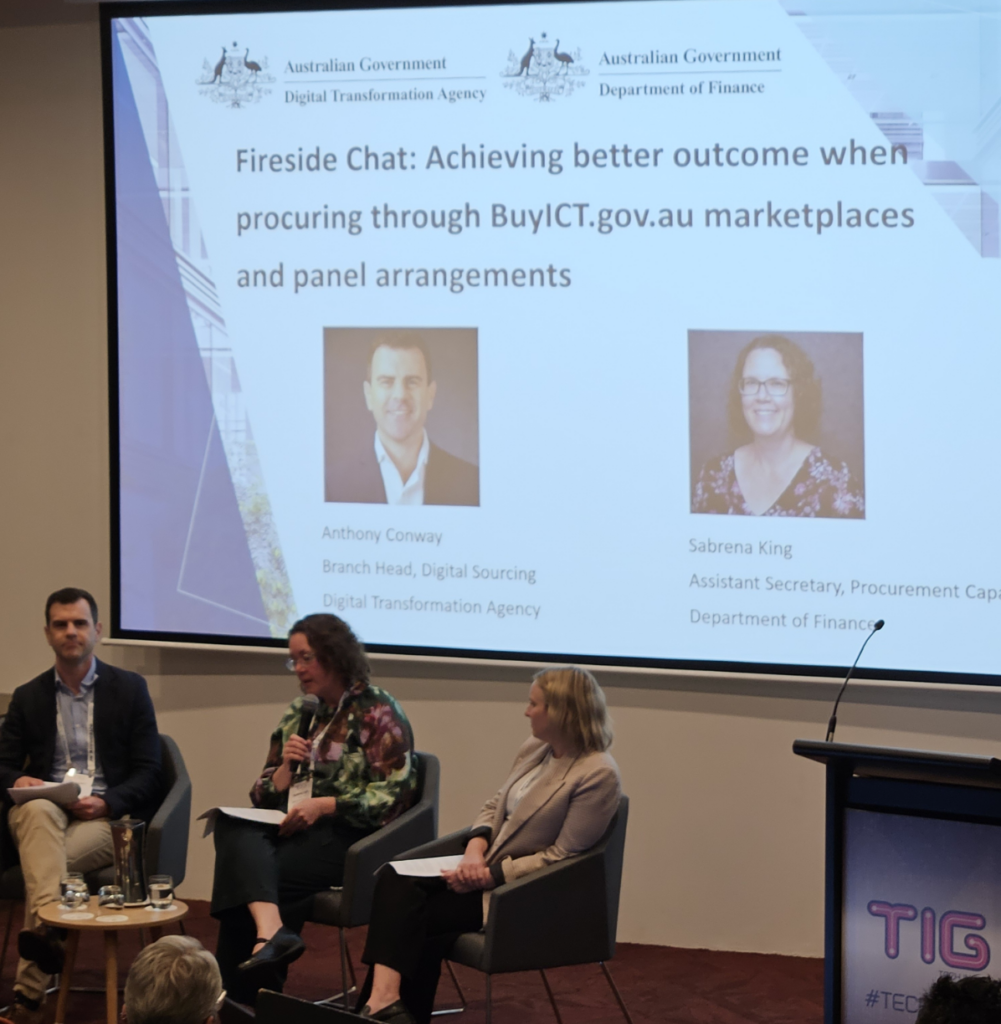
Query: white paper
column 259, row 814
column 61, row 793
column 426, row 867
column 82, row 779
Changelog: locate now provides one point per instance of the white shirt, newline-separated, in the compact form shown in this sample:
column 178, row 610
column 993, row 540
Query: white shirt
column 72, row 708
column 398, row 491
column 517, row 792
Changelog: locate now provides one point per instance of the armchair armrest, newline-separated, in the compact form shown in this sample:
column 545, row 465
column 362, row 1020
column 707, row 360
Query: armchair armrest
column 365, row 857
column 554, row 917
column 167, row 837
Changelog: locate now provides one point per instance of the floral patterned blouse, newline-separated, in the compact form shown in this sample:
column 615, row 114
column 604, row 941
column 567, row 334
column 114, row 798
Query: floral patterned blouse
column 821, row 488
column 364, row 756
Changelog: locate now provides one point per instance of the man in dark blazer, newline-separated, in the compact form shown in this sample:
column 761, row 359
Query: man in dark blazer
column 97, row 723
column 402, row 466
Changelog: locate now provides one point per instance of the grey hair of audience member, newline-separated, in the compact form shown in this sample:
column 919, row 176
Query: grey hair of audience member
column 174, row 980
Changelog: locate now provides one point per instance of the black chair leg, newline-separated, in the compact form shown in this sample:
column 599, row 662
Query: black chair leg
column 618, row 998
column 462, row 996
column 552, row 999
column 6, row 935
column 344, row 969
column 490, row 1007
column 347, row 971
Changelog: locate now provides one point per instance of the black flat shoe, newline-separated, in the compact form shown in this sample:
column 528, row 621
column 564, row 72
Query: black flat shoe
column 43, row 948
column 395, row 1013
column 283, row 947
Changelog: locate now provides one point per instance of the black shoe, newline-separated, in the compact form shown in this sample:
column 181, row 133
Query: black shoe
column 283, row 947
column 45, row 948
column 395, row 1013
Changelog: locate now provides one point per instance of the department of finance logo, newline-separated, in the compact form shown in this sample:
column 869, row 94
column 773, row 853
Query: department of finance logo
column 235, row 79
column 544, row 71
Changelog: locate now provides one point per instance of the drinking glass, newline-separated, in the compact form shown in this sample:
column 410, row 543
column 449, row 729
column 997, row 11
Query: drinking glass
column 111, row 896
column 74, row 890
column 161, row 892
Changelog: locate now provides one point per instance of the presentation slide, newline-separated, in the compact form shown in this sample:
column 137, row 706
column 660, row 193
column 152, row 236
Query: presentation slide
column 661, row 332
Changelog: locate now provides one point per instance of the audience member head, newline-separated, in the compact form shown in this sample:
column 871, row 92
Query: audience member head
column 175, row 980
column 575, row 705
column 975, row 1000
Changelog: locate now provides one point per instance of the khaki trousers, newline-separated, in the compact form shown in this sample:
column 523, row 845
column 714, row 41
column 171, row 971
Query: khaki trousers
column 50, row 844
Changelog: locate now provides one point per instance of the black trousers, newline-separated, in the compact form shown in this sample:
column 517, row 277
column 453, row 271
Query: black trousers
column 413, row 925
column 254, row 864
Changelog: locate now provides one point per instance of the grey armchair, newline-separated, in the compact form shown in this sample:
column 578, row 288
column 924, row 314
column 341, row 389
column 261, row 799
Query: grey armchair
column 166, row 839
column 561, row 915
column 351, row 904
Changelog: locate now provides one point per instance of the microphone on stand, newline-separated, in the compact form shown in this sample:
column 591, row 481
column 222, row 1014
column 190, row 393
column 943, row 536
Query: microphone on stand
column 310, row 702
column 833, row 723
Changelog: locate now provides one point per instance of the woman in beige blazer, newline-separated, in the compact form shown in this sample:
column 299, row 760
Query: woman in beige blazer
column 557, row 802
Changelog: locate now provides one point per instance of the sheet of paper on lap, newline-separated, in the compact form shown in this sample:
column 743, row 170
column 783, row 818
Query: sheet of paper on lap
column 61, row 793
column 258, row 814
column 426, row 867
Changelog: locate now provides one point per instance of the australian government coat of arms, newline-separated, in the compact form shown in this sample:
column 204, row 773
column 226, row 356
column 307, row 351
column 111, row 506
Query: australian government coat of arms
column 235, row 79
column 544, row 71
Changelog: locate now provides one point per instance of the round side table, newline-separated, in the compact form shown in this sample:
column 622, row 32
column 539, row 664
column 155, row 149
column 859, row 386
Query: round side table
column 110, row 921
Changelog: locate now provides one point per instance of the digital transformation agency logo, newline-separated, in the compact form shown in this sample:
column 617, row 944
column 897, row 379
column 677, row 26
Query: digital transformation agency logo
column 544, row 72
column 234, row 79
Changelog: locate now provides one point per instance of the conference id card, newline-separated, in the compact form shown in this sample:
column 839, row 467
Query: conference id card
column 300, row 791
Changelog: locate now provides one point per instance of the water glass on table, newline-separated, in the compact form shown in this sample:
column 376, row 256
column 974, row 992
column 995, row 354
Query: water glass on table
column 111, row 896
column 161, row 892
column 74, row 890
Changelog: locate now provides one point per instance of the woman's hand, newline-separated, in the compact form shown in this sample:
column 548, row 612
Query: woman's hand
column 306, row 814
column 471, row 873
column 472, row 881
column 295, row 749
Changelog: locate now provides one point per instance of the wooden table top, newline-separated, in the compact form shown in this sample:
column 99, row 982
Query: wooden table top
column 110, row 918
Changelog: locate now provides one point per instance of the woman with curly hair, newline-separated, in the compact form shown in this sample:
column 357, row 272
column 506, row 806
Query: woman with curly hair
column 352, row 773
column 776, row 469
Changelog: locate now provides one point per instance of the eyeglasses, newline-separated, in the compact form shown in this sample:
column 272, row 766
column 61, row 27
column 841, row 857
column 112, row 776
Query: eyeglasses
column 775, row 387
column 306, row 658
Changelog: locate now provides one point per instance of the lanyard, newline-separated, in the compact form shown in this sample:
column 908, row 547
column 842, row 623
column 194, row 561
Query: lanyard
column 316, row 743
column 64, row 739
column 319, row 737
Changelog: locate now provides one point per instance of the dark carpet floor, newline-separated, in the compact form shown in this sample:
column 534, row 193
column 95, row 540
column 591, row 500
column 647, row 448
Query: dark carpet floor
column 658, row 983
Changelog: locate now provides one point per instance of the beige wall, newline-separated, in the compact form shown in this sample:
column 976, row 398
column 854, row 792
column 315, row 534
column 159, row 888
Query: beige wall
column 725, row 840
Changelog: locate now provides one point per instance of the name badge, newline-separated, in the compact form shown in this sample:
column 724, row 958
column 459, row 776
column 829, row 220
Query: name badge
column 82, row 779
column 300, row 790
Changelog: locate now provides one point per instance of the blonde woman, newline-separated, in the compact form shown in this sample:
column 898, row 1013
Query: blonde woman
column 558, row 800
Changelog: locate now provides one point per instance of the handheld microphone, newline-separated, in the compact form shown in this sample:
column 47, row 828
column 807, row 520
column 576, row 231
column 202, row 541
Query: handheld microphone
column 310, row 702
column 833, row 723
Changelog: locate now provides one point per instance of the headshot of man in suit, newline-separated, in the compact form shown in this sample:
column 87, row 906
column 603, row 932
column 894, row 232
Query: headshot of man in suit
column 400, row 464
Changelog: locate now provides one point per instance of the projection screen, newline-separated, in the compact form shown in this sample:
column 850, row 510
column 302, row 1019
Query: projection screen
column 658, row 333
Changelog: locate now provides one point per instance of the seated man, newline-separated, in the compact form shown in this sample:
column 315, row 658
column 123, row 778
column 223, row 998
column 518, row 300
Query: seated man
column 173, row 981
column 99, row 721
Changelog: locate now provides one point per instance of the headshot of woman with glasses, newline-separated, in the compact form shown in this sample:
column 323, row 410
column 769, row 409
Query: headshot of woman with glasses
column 776, row 467
column 341, row 763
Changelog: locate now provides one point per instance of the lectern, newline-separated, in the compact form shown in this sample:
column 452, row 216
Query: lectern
column 913, row 875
